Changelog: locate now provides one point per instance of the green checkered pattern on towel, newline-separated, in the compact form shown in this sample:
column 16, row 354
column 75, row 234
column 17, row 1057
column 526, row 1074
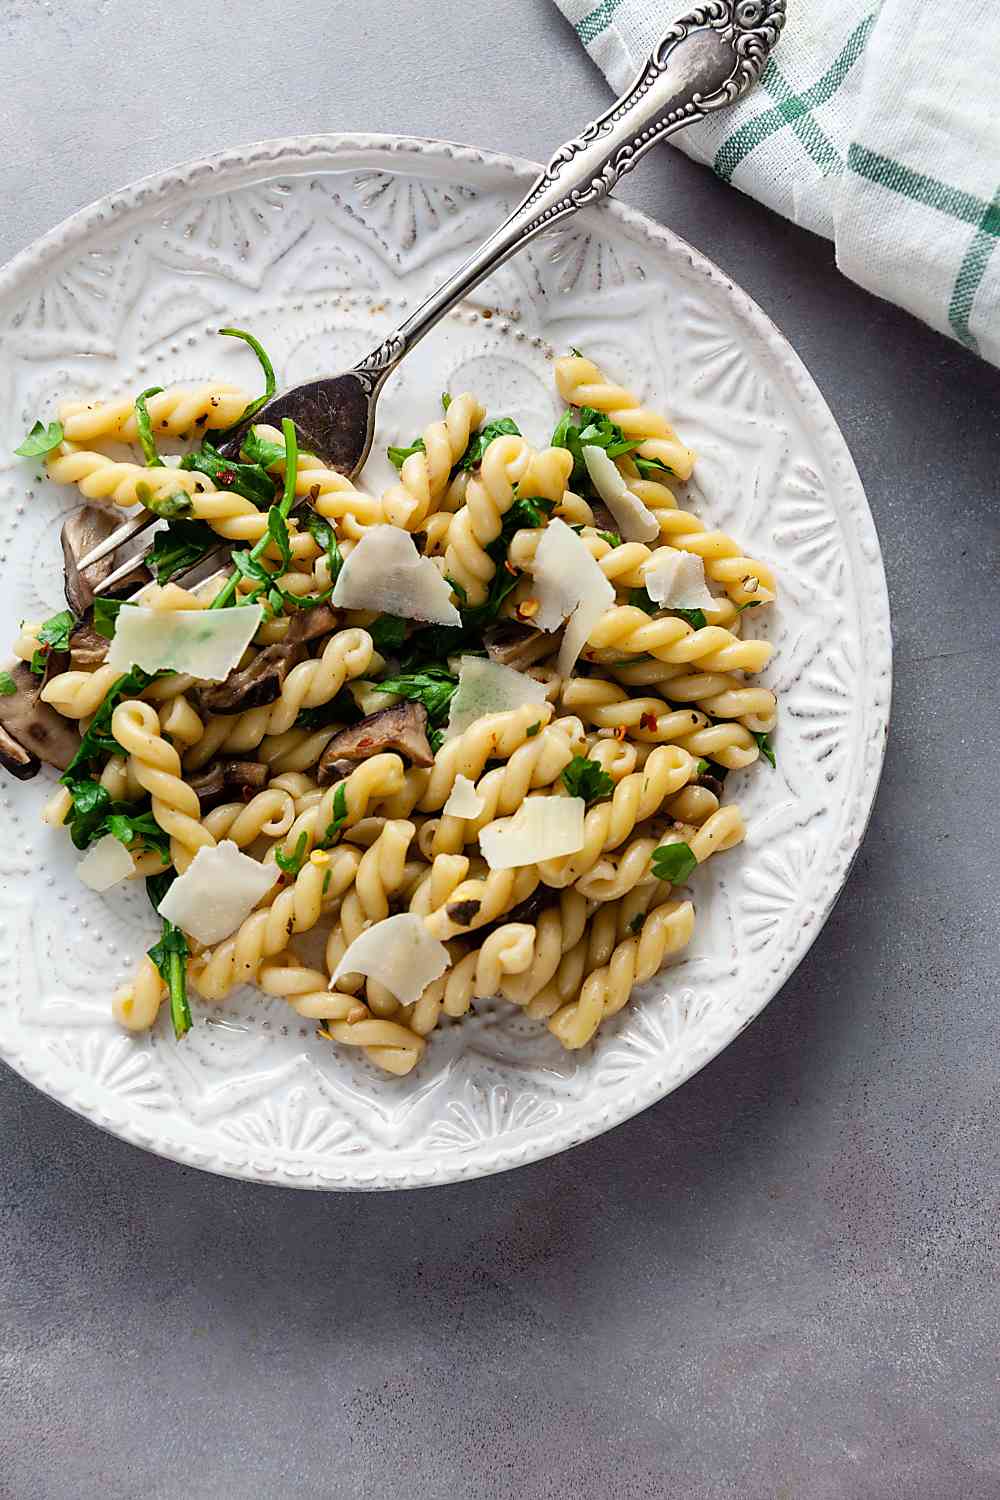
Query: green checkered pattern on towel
column 874, row 125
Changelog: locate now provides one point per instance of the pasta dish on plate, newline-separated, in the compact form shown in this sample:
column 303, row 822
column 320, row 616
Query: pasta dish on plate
column 387, row 755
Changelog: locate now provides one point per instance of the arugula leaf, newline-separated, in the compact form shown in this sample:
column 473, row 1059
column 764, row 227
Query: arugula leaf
column 533, row 511
column 105, row 619
column 530, row 733
column 145, row 428
column 398, row 456
column 292, row 863
column 41, row 439
column 611, row 537
column 247, row 564
column 674, row 862
column 179, row 546
column 700, row 768
column 277, row 530
column 127, row 827
column 170, row 955
column 98, row 740
column 639, row 599
column 340, row 710
column 750, row 604
column 270, row 383
column 445, row 400
column 567, row 435
column 766, row 748
column 8, row 687
column 338, row 820
column 324, row 535
column 434, row 687
column 53, row 635
column 167, row 507
column 260, row 450
column 584, row 778
column 652, row 468
column 248, row 480
column 693, row 617
column 388, row 633
column 91, row 803
column 598, row 431
column 481, row 440
column 93, row 814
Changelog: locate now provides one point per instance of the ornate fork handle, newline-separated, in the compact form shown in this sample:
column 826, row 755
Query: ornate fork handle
column 703, row 62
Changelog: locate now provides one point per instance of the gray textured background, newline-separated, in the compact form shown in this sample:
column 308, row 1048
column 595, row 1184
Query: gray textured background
column 778, row 1284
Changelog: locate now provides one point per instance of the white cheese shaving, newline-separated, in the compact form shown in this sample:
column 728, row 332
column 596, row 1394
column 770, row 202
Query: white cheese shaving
column 676, row 580
column 205, row 643
column 105, row 863
column 400, row 953
column 487, row 687
column 218, row 890
column 542, row 828
column 568, row 583
column 385, row 572
column 464, row 801
column 636, row 521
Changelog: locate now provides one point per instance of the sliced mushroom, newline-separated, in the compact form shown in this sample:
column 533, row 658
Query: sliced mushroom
column 308, row 624
column 402, row 727
column 81, row 532
column 603, row 519
column 87, row 646
column 36, row 731
column 253, row 686
column 337, row 770
column 223, row 777
column 518, row 646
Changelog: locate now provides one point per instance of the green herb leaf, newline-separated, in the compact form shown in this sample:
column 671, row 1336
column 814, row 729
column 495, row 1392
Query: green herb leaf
column 292, row 863
column 434, row 687
column 129, row 827
column 526, row 512
column 445, row 400
column 701, row 767
column 584, row 778
column 270, row 383
column 398, row 456
column 145, row 428
column 693, row 617
column 178, row 547
column 750, row 604
column 652, row 468
column 674, row 862
column 388, row 633
column 339, row 710
column 637, row 921
column 167, row 507
column 53, row 635
column 106, row 616
column 261, row 450
column 41, row 439
column 598, row 431
column 481, row 440
column 324, row 535
column 8, row 687
column 529, row 734
column 98, row 740
column 277, row 530
column 639, row 599
column 611, row 537
column 338, row 820
column 766, row 748
column 435, row 738
column 170, row 955
column 249, row 480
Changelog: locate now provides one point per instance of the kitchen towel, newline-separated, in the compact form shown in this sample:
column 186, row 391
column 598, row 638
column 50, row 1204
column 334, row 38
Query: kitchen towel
column 877, row 126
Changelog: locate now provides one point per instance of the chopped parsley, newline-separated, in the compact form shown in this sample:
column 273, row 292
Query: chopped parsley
column 41, row 439
column 639, row 599
column 53, row 635
column 434, row 687
column 388, row 633
column 766, row 748
column 584, row 778
column 674, row 862
column 8, row 687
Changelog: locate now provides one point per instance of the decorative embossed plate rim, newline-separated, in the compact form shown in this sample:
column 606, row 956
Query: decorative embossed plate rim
column 489, row 1128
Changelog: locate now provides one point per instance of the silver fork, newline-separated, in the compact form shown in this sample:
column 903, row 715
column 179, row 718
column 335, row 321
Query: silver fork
column 703, row 62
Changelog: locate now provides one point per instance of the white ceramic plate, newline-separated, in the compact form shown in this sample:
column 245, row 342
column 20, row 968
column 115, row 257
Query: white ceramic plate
column 318, row 245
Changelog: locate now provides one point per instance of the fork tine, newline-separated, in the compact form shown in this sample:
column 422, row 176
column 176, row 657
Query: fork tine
column 134, row 526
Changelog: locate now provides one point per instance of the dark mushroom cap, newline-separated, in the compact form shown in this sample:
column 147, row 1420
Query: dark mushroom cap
column 221, row 778
column 87, row 646
column 34, row 728
column 82, row 531
column 518, row 646
column 402, row 727
column 253, row 686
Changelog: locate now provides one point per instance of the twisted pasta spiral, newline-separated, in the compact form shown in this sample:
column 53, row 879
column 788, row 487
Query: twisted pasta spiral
column 106, row 481
column 559, row 928
column 651, row 720
column 476, row 902
column 380, row 874
column 372, row 780
column 77, row 695
column 347, row 654
column 746, row 580
column 176, row 412
column 581, row 383
column 608, row 824
column 489, row 496
column 423, row 478
column 628, row 629
column 665, row 932
column 330, row 493
column 136, row 1005
column 720, row 694
column 271, row 813
column 388, row 1044
column 157, row 767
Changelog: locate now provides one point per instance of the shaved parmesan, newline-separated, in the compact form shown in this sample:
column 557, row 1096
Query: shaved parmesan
column 487, row 687
column 542, row 828
column 105, row 863
column 676, row 580
column 464, row 801
column 205, row 643
column 400, row 953
column 568, row 584
column 385, row 572
column 218, row 890
column 635, row 520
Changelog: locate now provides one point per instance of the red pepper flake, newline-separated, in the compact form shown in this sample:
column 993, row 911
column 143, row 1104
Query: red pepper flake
column 620, row 732
column 227, row 476
column 648, row 721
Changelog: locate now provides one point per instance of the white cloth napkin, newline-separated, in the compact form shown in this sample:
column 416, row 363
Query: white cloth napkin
column 877, row 126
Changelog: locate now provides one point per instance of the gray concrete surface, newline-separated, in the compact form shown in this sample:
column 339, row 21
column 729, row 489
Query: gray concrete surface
column 779, row 1284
